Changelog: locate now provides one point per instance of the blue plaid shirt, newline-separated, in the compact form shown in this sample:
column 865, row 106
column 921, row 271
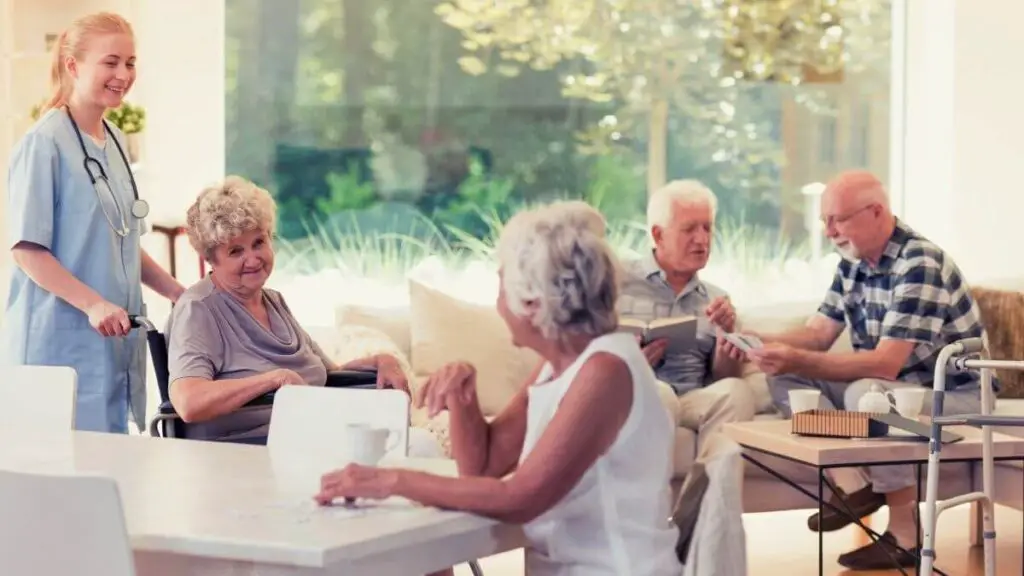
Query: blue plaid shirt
column 916, row 293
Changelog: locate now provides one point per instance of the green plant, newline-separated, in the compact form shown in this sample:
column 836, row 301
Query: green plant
column 750, row 250
column 348, row 191
column 128, row 118
column 479, row 200
column 36, row 111
column 753, row 249
column 357, row 253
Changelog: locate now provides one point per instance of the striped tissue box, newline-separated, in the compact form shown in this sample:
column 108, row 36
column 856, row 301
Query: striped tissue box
column 838, row 424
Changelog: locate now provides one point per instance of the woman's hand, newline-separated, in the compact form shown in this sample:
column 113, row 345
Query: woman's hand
column 284, row 377
column 357, row 481
column 391, row 375
column 108, row 319
column 455, row 382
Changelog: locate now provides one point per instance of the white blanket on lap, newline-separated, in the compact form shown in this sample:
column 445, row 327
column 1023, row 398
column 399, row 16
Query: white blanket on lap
column 719, row 545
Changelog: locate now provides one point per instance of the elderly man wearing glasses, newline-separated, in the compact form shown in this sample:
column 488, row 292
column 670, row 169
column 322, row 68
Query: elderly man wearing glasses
column 903, row 299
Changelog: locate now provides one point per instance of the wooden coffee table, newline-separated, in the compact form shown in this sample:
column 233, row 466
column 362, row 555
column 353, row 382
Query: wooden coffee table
column 773, row 437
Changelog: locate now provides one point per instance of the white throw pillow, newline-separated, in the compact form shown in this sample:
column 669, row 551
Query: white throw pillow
column 391, row 320
column 447, row 329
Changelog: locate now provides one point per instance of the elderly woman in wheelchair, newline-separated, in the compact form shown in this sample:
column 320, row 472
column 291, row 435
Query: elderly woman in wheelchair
column 232, row 341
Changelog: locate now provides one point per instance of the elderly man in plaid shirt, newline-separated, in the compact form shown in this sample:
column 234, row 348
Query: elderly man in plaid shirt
column 902, row 299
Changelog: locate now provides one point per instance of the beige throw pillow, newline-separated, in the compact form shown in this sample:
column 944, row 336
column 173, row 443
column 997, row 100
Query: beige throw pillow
column 447, row 329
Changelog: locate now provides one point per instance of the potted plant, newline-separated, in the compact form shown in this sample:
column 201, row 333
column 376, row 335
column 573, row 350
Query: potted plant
column 132, row 121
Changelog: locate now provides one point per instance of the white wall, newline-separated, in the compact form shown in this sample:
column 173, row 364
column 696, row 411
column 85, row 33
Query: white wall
column 964, row 120
column 181, row 84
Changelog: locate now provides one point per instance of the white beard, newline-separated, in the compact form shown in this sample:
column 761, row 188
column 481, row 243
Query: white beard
column 848, row 253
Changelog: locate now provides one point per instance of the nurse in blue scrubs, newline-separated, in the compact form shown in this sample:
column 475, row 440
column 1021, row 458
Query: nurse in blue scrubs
column 74, row 219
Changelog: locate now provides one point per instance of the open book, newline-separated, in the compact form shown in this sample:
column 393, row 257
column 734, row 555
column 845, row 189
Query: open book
column 680, row 331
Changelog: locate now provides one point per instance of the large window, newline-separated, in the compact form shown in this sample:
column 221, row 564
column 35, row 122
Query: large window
column 396, row 130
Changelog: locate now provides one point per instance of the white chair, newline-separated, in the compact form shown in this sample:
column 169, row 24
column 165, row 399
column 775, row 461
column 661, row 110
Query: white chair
column 56, row 525
column 307, row 420
column 38, row 397
column 307, row 417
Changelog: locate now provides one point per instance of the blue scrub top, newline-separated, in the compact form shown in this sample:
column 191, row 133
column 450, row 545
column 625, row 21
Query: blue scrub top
column 53, row 203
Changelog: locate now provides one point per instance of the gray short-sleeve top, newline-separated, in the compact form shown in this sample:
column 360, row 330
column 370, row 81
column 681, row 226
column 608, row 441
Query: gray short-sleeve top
column 211, row 335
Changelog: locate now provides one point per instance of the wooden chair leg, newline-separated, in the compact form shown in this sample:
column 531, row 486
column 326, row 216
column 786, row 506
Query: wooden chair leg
column 976, row 524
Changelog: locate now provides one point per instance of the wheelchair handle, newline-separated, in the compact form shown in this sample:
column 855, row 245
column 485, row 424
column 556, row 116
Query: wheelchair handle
column 140, row 321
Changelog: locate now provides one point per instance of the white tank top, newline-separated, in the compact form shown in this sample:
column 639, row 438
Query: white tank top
column 615, row 521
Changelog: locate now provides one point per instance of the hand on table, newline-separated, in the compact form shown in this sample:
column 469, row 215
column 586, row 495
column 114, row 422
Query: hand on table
column 357, row 481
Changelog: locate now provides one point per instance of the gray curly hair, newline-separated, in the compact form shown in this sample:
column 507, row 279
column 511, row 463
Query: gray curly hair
column 227, row 210
column 556, row 256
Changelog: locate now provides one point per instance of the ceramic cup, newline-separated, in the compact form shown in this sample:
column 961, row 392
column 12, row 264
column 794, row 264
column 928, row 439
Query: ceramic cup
column 366, row 445
column 804, row 400
column 909, row 401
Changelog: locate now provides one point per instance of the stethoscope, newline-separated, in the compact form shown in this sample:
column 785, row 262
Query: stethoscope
column 140, row 208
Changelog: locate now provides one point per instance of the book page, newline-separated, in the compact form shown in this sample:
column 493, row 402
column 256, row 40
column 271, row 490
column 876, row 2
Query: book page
column 670, row 321
column 633, row 326
column 681, row 334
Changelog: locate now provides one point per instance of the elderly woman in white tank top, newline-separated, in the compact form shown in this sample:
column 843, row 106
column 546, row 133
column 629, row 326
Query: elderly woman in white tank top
column 230, row 339
column 586, row 440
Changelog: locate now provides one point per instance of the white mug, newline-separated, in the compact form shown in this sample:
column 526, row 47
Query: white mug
column 909, row 401
column 804, row 400
column 366, row 445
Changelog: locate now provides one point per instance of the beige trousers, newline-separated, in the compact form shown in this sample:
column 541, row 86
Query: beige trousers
column 705, row 410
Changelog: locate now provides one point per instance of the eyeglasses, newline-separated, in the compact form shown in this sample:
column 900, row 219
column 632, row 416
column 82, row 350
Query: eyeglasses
column 829, row 221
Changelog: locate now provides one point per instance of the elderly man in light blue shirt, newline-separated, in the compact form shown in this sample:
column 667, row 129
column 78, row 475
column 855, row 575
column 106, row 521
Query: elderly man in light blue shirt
column 664, row 283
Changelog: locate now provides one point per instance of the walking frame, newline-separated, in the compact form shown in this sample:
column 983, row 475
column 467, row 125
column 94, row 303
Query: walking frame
column 968, row 354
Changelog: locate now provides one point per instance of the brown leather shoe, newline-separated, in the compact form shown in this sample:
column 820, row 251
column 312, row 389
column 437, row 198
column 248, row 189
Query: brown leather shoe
column 879, row 555
column 862, row 503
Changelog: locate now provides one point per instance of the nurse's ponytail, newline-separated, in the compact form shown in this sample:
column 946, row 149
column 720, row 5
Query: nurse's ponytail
column 71, row 42
column 59, row 79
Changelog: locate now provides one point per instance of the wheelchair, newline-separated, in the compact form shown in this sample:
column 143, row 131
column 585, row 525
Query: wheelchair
column 168, row 424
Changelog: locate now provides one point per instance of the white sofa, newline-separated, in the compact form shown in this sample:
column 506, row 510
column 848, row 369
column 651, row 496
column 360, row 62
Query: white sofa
column 436, row 327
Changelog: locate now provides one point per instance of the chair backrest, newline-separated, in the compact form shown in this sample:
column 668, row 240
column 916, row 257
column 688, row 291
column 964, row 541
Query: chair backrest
column 161, row 369
column 306, row 416
column 307, row 424
column 58, row 524
column 38, row 397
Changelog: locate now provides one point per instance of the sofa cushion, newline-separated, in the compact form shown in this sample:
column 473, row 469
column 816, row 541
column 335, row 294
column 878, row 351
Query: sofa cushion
column 390, row 320
column 1003, row 314
column 447, row 329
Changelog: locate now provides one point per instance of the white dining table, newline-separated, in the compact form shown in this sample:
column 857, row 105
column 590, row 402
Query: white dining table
column 206, row 508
